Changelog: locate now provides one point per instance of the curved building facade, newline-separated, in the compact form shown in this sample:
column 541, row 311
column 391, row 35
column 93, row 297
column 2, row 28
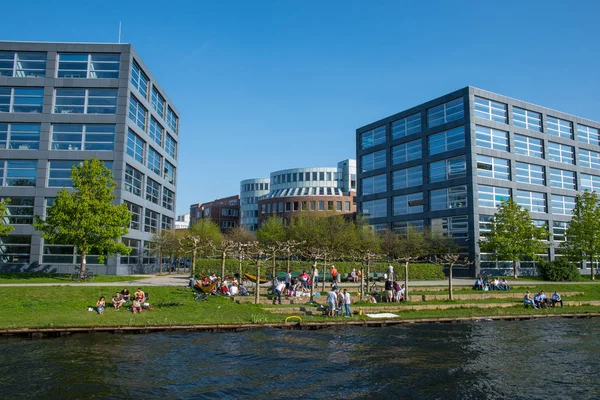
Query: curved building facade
column 251, row 190
column 316, row 189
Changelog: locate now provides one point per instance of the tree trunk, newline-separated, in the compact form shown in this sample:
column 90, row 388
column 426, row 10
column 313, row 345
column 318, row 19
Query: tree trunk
column 324, row 273
column 257, row 291
column 288, row 263
column 450, row 295
column 274, row 267
column 82, row 265
column 160, row 271
column 368, row 272
column 515, row 273
column 193, row 264
column 223, row 256
column 313, row 282
column 240, row 266
column 593, row 276
column 362, row 281
column 406, row 281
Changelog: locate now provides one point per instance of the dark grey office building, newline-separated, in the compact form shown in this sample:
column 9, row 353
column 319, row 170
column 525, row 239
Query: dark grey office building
column 447, row 164
column 61, row 103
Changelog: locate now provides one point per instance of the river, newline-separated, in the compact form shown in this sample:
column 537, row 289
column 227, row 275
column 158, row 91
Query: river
column 537, row 359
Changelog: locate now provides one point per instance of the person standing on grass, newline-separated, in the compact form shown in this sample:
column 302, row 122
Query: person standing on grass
column 278, row 290
column 331, row 300
column 347, row 303
column 315, row 276
column 100, row 305
column 334, row 273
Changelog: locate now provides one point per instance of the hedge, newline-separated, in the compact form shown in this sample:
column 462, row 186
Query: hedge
column 415, row 271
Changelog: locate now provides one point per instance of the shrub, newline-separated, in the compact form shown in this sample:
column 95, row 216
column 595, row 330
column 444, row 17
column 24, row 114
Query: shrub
column 558, row 270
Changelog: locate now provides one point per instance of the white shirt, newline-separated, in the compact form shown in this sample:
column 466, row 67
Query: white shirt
column 316, row 272
column 280, row 287
column 347, row 298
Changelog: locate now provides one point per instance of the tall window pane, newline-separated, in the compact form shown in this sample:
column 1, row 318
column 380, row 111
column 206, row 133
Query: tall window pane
column 139, row 80
column 137, row 113
column 135, row 147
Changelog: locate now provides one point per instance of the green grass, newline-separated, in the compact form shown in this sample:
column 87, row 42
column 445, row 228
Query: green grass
column 40, row 277
column 53, row 306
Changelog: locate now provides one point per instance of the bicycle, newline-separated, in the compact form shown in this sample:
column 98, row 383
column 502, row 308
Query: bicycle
column 88, row 276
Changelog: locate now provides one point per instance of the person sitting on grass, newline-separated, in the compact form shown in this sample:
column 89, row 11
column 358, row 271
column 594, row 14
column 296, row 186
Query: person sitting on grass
column 528, row 301
column 478, row 284
column 544, row 300
column 556, row 299
column 504, row 284
column 140, row 293
column 136, row 306
column 125, row 295
column 233, row 289
column 117, row 301
column 100, row 305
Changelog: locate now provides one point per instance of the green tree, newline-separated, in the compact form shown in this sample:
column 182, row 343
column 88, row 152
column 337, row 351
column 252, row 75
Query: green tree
column 245, row 242
column 583, row 233
column 270, row 235
column 513, row 235
column 87, row 217
column 366, row 248
column 5, row 228
column 204, row 236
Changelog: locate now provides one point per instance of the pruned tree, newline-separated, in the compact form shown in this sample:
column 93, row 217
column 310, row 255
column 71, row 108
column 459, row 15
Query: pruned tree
column 367, row 247
column 162, row 243
column 513, row 235
column 442, row 251
column 87, row 217
column 583, row 233
column 245, row 242
column 270, row 235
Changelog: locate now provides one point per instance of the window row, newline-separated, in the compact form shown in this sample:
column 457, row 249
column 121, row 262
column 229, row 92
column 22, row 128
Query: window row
column 85, row 101
column 313, row 205
column 314, row 176
column 146, row 154
column 82, row 65
column 22, row 64
column 152, row 191
column 150, row 221
column 21, row 100
column 141, row 82
column 490, row 196
column 248, row 187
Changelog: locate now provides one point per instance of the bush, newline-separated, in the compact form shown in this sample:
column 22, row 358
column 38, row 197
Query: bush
column 207, row 266
column 558, row 270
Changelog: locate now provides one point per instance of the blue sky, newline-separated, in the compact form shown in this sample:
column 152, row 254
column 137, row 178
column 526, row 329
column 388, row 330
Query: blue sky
column 268, row 85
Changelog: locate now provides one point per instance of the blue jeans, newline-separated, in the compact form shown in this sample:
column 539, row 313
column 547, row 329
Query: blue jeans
column 348, row 311
column 278, row 293
column 316, row 280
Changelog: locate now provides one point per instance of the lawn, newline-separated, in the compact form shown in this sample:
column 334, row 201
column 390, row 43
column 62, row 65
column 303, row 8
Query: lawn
column 39, row 277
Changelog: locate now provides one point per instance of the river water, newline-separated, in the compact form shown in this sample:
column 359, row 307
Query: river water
column 537, row 359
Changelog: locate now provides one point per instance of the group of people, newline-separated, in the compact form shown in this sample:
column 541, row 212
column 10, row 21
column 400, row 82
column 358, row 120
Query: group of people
column 485, row 284
column 339, row 302
column 539, row 300
column 227, row 287
column 394, row 292
column 123, row 297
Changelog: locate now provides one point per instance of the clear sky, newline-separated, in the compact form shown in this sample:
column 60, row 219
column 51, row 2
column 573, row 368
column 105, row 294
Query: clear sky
column 268, row 85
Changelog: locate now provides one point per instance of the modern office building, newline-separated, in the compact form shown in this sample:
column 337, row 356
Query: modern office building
column 225, row 212
column 310, row 189
column 250, row 191
column 449, row 162
column 61, row 103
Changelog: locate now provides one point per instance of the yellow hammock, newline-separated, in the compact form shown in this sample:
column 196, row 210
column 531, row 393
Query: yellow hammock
column 252, row 278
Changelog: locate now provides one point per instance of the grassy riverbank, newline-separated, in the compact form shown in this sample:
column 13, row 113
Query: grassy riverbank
column 38, row 277
column 45, row 307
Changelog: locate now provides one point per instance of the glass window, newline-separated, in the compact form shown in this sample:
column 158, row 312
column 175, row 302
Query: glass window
column 448, row 198
column 101, row 101
column 20, row 136
column 447, row 169
column 85, row 101
column 590, row 182
column 78, row 65
column 346, row 206
column 370, row 161
column 407, row 151
column 589, row 159
column 529, row 146
column 156, row 131
column 562, row 179
column 158, row 102
column 559, row 231
column 69, row 101
column 491, row 196
column 372, row 138
column 321, row 205
column 133, row 180
column 491, row 138
column 485, row 225
column 171, row 146
column 18, row 172
column 169, row 172
column 559, row 127
column 19, row 210
column 532, row 201
column 60, row 173
column 172, row 121
column 338, row 206
column 374, row 184
column 588, row 135
column 406, row 126
column 491, row 110
column 375, row 208
column 135, row 146
column 446, row 112
column 22, row 65
column 562, row 205
column 83, row 137
column 453, row 227
column 527, row 119
column 407, row 177
column 139, row 80
column 150, row 221
column 408, row 204
column 167, row 223
column 403, row 228
column 490, row 167
column 154, row 161
column 15, row 249
column 168, row 197
column 561, row 153
column 137, row 113
column 152, row 190
column 530, row 173
column 321, row 176
column 21, row 100
column 136, row 216
column 444, row 141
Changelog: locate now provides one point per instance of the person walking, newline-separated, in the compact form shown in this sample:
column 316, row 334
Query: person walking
column 347, row 303
column 331, row 300
column 334, row 274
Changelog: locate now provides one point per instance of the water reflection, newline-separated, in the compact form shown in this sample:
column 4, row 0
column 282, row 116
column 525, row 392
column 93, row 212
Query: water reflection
column 485, row 359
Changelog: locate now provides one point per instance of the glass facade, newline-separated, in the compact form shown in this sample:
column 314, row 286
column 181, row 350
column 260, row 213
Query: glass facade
column 529, row 146
column 490, row 167
column 444, row 141
column 450, row 111
column 85, row 101
column 407, row 152
column 561, row 153
column 408, row 177
column 83, row 137
column 21, row 100
column 91, row 66
column 447, row 169
column 408, row 204
column 559, row 127
column 491, row 110
column 491, row 138
column 527, row 119
column 406, row 126
column 375, row 208
column 370, row 162
column 372, row 138
column 448, row 198
column 20, row 136
column 23, row 64
column 374, row 184
column 530, row 173
column 491, row 196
